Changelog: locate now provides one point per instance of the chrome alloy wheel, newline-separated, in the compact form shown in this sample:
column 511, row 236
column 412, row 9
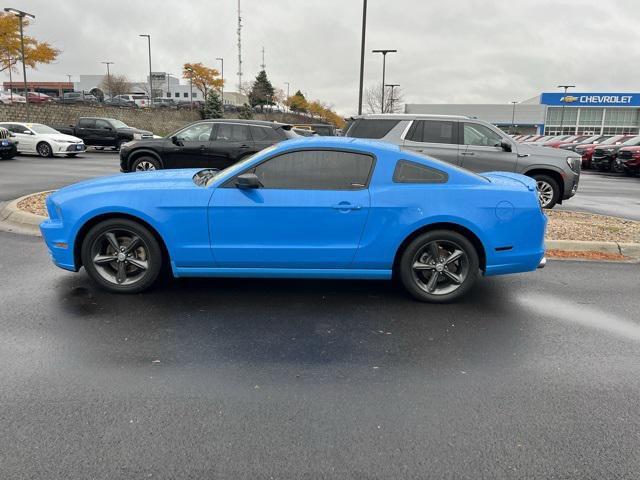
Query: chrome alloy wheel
column 120, row 257
column 440, row 267
column 144, row 166
column 545, row 193
column 44, row 149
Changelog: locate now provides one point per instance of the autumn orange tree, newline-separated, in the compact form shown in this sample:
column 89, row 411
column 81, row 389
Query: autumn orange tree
column 203, row 78
column 35, row 52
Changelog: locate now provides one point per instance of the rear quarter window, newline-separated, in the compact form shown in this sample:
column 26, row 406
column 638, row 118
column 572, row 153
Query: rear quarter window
column 374, row 129
column 411, row 172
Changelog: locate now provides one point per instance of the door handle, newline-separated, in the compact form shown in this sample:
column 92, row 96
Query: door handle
column 346, row 206
column 467, row 153
column 244, row 146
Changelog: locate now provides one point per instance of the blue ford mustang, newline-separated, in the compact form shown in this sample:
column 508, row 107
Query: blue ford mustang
column 310, row 208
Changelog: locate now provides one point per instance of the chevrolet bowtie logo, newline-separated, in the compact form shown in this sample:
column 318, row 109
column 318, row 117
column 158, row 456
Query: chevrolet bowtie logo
column 569, row 99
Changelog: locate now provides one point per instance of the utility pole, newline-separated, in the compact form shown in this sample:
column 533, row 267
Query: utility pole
column 384, row 62
column 21, row 15
column 239, row 50
column 392, row 102
column 190, row 70
column 362, row 42
column 222, row 77
column 564, row 101
column 10, row 79
column 150, row 79
column 108, row 77
column 513, row 116
column 263, row 65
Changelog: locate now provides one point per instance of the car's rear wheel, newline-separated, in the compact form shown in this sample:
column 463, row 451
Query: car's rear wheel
column 439, row 266
column 548, row 190
column 121, row 256
column 146, row 163
column 44, row 149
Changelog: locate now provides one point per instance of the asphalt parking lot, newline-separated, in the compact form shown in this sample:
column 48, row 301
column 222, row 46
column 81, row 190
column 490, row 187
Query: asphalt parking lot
column 530, row 376
column 607, row 194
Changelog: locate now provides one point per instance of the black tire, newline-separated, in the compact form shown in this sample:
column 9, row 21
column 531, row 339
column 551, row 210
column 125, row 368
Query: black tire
column 418, row 265
column 114, row 264
column 145, row 163
column 44, row 150
column 548, row 198
column 119, row 144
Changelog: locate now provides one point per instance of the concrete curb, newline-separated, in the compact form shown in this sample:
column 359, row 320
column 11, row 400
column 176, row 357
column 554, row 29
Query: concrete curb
column 13, row 219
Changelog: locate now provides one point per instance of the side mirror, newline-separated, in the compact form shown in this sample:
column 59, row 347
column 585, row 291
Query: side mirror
column 27, row 132
column 176, row 141
column 248, row 180
column 506, row 146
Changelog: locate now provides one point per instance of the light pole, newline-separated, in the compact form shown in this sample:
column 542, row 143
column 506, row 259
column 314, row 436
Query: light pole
column 392, row 86
column 513, row 116
column 190, row 70
column 21, row 15
column 564, row 101
column 11, row 79
column 384, row 66
column 150, row 79
column 108, row 77
column 222, row 77
column 287, row 104
column 364, row 34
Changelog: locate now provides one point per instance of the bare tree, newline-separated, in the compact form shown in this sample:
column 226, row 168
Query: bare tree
column 393, row 99
column 115, row 85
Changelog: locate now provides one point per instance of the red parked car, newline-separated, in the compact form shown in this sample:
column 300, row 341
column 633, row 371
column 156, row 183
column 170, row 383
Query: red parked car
column 572, row 139
column 587, row 149
column 629, row 159
column 35, row 97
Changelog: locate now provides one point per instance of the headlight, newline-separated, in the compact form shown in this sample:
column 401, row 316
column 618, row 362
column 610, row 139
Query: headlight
column 574, row 163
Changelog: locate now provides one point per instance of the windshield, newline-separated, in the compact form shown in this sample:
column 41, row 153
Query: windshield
column 632, row 141
column 119, row 124
column 237, row 167
column 41, row 129
column 611, row 140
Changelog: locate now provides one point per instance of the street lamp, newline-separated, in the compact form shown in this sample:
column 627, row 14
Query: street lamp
column 392, row 86
column 564, row 101
column 222, row 77
column 364, row 34
column 21, row 15
column 150, row 79
column 513, row 116
column 190, row 70
column 108, row 77
column 384, row 62
column 287, row 104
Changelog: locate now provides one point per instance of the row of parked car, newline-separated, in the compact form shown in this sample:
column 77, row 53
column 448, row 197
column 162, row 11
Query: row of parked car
column 606, row 153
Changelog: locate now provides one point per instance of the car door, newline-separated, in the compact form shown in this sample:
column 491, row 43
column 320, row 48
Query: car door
column 231, row 142
column 105, row 133
column 26, row 141
column 435, row 138
column 309, row 212
column 85, row 130
column 190, row 147
column 481, row 150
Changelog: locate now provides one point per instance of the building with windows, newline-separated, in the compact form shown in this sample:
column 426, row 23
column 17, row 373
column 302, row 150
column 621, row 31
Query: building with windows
column 553, row 113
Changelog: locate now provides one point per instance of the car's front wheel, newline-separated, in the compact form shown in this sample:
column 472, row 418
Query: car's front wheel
column 439, row 266
column 44, row 149
column 121, row 256
column 143, row 164
column 548, row 190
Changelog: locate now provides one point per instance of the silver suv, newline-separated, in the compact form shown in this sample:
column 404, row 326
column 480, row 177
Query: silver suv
column 478, row 146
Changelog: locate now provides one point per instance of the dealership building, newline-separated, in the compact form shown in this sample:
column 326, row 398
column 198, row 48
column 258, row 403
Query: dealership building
column 553, row 113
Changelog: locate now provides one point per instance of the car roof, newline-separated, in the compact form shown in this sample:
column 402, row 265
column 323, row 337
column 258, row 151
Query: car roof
column 407, row 116
column 337, row 142
column 263, row 123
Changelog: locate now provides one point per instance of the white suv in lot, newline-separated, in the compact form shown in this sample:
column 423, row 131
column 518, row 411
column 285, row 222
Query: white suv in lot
column 477, row 146
column 43, row 140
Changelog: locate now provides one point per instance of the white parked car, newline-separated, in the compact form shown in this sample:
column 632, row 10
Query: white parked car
column 8, row 98
column 44, row 140
column 140, row 100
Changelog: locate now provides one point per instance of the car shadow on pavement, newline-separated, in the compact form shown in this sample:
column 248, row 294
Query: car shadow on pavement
column 304, row 322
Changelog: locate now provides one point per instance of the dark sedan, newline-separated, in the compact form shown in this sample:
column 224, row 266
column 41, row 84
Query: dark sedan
column 208, row 143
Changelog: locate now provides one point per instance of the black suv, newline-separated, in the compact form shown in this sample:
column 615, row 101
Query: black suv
column 207, row 143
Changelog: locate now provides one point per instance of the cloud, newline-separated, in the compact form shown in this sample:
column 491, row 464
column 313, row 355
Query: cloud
column 456, row 51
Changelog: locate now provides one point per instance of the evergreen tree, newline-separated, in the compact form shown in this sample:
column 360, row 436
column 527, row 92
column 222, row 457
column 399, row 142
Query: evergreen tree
column 261, row 91
column 246, row 112
column 298, row 102
column 213, row 105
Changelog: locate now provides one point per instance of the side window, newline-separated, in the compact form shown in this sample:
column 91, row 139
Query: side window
column 316, row 170
column 432, row 131
column 375, row 129
column 411, row 172
column 479, row 135
column 261, row 134
column 87, row 123
column 102, row 124
column 200, row 132
column 232, row 132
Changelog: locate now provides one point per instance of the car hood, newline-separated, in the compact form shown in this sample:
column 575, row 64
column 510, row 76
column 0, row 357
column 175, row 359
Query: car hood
column 129, row 182
column 634, row 148
column 61, row 137
column 547, row 152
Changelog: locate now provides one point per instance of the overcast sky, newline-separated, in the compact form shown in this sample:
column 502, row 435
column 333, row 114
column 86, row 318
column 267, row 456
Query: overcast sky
column 449, row 51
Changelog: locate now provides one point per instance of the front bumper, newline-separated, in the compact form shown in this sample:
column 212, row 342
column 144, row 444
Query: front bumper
column 602, row 161
column 60, row 248
column 66, row 148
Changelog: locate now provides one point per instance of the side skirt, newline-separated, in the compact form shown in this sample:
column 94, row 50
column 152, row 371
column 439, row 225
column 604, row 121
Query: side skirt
column 283, row 273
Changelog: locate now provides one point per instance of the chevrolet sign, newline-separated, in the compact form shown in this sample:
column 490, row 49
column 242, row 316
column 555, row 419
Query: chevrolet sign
column 592, row 99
